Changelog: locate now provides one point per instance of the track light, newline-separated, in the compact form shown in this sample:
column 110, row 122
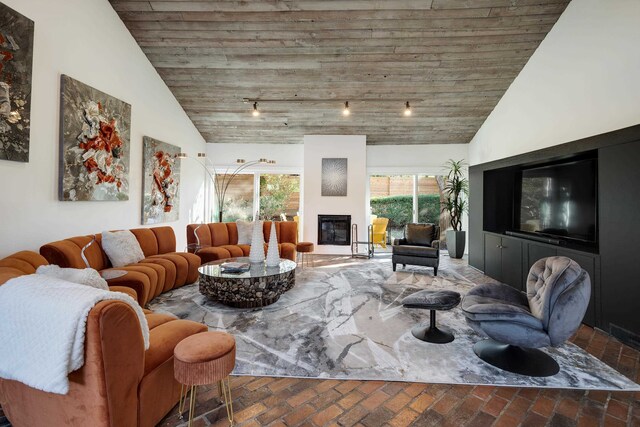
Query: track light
column 345, row 111
column 256, row 112
column 407, row 109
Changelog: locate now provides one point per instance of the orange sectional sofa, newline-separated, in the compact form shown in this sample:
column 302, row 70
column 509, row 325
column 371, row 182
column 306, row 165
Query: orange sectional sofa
column 219, row 240
column 120, row 383
column 163, row 268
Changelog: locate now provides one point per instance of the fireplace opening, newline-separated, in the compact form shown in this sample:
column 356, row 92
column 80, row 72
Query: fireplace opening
column 334, row 230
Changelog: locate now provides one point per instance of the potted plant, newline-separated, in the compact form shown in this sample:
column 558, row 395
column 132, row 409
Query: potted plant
column 456, row 190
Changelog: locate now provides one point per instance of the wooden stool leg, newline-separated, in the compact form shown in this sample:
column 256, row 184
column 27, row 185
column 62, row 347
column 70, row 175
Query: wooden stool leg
column 228, row 402
column 183, row 400
column 192, row 405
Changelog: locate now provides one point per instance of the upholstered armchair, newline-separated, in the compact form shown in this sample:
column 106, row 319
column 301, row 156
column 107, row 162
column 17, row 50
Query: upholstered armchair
column 420, row 246
column 517, row 324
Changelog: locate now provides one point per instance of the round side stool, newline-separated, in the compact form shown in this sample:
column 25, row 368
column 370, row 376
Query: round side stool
column 434, row 301
column 204, row 358
column 305, row 248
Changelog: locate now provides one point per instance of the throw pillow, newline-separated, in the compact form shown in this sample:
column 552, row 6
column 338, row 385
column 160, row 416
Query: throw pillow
column 245, row 229
column 82, row 276
column 121, row 247
column 419, row 234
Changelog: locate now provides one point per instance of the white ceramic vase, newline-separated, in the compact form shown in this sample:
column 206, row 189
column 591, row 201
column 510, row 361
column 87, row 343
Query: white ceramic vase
column 256, row 254
column 273, row 256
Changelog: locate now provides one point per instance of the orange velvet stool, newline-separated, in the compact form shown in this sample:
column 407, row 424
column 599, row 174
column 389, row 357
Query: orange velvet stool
column 305, row 248
column 205, row 358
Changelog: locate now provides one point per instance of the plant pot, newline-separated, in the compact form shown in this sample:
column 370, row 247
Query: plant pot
column 456, row 241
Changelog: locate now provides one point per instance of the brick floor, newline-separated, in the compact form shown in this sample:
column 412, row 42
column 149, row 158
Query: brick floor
column 308, row 402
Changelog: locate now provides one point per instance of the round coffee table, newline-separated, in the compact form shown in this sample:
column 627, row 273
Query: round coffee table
column 258, row 287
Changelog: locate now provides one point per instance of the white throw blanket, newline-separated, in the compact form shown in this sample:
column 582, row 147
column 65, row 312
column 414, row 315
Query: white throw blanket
column 43, row 322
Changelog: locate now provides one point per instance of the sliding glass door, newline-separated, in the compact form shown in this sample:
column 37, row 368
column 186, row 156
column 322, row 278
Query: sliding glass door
column 404, row 199
column 238, row 202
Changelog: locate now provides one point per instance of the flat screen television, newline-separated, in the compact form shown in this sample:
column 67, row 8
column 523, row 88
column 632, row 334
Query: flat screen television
column 560, row 200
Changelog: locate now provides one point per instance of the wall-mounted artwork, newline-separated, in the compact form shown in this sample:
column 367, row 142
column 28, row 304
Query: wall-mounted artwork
column 16, row 57
column 161, row 192
column 94, row 144
column 334, row 177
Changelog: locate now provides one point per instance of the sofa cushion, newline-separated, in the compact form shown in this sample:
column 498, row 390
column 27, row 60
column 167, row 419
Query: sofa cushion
column 169, row 271
column 121, row 247
column 125, row 290
column 181, row 265
column 156, row 319
column 419, row 234
column 213, row 253
column 234, row 250
column 143, row 282
column 418, row 251
column 287, row 251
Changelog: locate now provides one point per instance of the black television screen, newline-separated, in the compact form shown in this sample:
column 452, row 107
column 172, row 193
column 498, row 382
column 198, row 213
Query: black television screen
column 560, row 200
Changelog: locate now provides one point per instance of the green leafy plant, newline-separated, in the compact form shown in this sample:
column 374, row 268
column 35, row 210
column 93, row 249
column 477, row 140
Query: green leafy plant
column 456, row 191
column 275, row 193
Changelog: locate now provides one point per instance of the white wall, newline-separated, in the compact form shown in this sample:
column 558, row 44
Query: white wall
column 317, row 147
column 427, row 159
column 86, row 40
column 583, row 80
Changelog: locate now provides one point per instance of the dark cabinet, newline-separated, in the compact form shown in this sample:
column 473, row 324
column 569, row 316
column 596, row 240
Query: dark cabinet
column 619, row 183
column 503, row 259
column 493, row 256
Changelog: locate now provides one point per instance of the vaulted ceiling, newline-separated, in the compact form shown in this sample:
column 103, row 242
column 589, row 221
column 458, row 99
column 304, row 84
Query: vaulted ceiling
column 302, row 59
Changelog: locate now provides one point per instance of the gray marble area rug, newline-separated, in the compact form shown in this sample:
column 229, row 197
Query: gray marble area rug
column 345, row 321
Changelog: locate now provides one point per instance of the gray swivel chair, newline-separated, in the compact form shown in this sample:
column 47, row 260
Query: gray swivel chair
column 420, row 246
column 518, row 324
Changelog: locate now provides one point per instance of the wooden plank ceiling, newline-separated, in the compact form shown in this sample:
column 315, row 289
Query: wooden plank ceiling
column 302, row 59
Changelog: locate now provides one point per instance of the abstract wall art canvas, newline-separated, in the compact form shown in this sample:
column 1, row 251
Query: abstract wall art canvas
column 94, row 144
column 334, row 177
column 16, row 57
column 161, row 191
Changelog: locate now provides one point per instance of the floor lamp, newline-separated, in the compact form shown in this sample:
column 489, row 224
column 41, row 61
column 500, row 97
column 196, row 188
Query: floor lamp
column 221, row 181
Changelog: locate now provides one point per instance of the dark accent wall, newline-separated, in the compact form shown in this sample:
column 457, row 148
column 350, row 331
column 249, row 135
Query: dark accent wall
column 615, row 298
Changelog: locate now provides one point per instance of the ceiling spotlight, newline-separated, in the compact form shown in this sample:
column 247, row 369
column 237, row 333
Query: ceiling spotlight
column 181, row 155
column 345, row 111
column 407, row 109
column 256, row 112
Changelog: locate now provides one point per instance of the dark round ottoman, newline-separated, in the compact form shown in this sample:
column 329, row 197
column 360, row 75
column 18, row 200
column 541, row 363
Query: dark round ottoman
column 434, row 301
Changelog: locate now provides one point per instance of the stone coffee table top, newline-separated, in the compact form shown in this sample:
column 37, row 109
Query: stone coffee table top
column 257, row 287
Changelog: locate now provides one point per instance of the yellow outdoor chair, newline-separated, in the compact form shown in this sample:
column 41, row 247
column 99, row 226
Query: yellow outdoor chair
column 380, row 231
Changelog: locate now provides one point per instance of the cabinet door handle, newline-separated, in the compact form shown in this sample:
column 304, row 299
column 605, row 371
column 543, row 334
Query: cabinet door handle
column 499, row 246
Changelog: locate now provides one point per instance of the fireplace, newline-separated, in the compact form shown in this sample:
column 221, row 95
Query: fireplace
column 334, row 230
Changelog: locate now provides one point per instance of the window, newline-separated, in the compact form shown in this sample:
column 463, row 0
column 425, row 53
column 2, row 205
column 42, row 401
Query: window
column 279, row 196
column 238, row 202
